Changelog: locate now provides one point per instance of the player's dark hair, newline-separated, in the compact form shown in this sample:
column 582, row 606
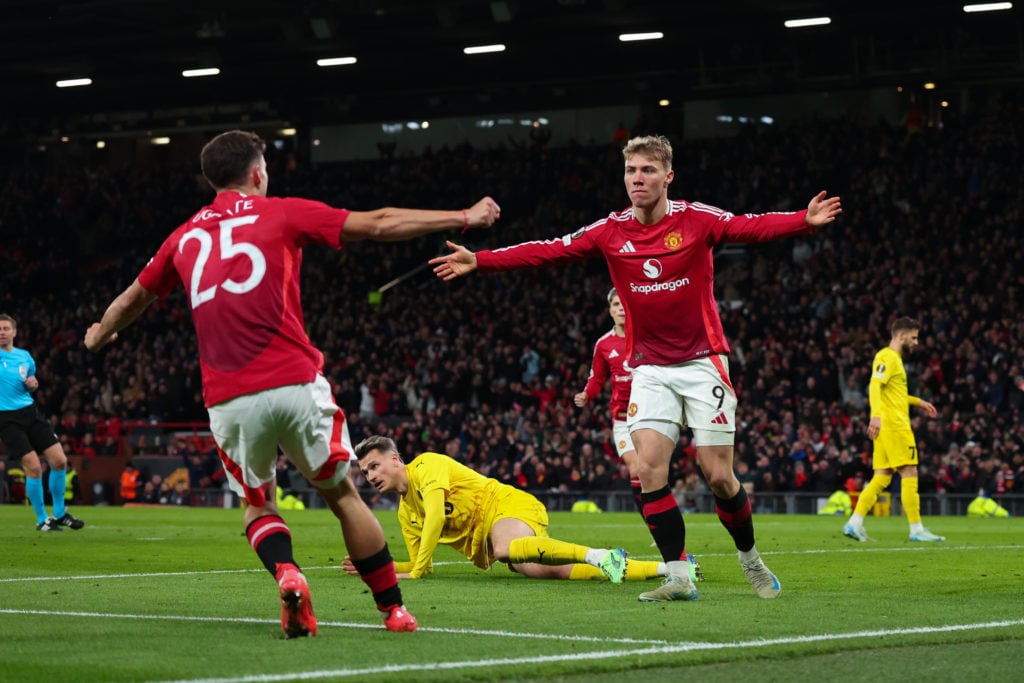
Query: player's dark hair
column 375, row 443
column 904, row 324
column 226, row 159
column 12, row 321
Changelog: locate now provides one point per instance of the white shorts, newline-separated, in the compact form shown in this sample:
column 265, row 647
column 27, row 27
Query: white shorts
column 696, row 393
column 623, row 441
column 301, row 419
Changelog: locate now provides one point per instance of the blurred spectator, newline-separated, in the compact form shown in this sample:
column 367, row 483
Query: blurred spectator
column 131, row 483
column 178, row 494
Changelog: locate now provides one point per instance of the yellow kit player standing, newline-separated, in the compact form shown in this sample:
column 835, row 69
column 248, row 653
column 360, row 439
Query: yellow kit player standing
column 895, row 448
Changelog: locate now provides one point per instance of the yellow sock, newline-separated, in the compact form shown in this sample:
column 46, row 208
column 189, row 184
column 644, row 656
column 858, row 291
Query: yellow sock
column 641, row 570
column 636, row 570
column 869, row 495
column 585, row 572
column 545, row 551
column 911, row 499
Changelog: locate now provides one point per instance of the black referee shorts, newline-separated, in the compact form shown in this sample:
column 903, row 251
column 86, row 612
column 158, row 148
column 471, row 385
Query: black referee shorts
column 26, row 430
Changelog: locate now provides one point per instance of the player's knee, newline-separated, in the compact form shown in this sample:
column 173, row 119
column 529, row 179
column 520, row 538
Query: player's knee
column 55, row 458
column 651, row 478
column 502, row 549
column 723, row 483
column 881, row 481
column 720, row 487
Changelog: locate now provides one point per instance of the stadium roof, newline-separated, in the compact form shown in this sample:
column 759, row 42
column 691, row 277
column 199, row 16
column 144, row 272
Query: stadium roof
column 410, row 60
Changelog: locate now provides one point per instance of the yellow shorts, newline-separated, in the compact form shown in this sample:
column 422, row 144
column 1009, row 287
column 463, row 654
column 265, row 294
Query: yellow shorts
column 894, row 449
column 507, row 502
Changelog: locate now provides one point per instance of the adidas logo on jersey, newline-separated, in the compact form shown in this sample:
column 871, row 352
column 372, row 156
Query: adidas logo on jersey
column 613, row 354
column 627, row 248
column 720, row 419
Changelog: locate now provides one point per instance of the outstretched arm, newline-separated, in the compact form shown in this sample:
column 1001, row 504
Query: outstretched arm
column 391, row 224
column 121, row 313
column 456, row 264
column 821, row 211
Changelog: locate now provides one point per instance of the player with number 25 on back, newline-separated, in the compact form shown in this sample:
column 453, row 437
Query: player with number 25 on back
column 239, row 260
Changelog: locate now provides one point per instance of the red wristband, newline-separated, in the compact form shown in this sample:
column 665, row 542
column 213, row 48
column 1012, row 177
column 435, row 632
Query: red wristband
column 465, row 221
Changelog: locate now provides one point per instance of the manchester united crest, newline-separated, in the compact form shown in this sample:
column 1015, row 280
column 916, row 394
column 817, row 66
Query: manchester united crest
column 632, row 409
column 673, row 240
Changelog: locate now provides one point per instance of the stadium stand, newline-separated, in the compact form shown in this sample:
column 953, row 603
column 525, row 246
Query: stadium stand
column 932, row 228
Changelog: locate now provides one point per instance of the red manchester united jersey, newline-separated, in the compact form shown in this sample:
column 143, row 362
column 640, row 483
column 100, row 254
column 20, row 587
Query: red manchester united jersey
column 663, row 273
column 609, row 360
column 239, row 260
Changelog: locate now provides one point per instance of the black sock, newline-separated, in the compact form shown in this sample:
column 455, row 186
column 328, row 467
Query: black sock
column 270, row 537
column 735, row 516
column 378, row 573
column 666, row 524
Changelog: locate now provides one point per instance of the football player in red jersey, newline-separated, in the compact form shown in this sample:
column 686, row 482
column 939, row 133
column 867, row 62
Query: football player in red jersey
column 610, row 362
column 659, row 253
column 239, row 259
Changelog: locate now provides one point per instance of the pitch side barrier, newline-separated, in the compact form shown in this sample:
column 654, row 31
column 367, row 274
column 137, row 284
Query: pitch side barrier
column 146, row 440
column 783, row 503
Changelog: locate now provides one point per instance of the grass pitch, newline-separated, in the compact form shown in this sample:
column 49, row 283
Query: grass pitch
column 177, row 595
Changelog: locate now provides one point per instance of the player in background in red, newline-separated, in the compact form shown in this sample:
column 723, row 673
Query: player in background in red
column 660, row 257
column 239, row 259
column 610, row 361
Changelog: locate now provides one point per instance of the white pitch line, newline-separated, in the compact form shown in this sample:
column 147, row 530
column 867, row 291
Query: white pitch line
column 577, row 656
column 917, row 548
column 653, row 646
column 89, row 577
column 341, row 624
column 818, row 551
column 858, row 548
column 205, row 572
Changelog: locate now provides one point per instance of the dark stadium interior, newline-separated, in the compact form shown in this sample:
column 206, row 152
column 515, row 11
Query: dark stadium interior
column 560, row 53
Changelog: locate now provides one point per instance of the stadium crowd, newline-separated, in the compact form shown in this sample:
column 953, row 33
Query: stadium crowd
column 486, row 370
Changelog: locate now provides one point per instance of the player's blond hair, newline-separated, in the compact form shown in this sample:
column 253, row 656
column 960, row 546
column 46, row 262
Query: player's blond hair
column 655, row 147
